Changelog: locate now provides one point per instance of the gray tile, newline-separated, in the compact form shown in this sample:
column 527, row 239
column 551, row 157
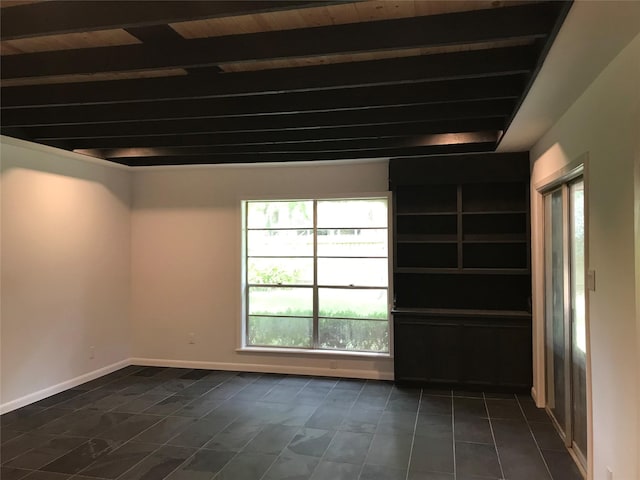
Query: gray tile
column 164, row 430
column 396, row 423
column 547, row 437
column 21, row 445
column 295, row 415
column 246, row 466
column 272, row 439
column 8, row 473
column 561, row 465
column 504, row 409
column 341, row 398
column 477, row 459
column 371, row 400
column 141, row 403
column 290, row 466
column 86, row 423
column 310, row 442
column 284, row 394
column 350, row 384
column 327, row 418
column 380, row 472
column 512, row 432
column 435, row 405
column 361, row 420
column 432, row 454
column 169, row 405
column 118, row 461
column 335, row 471
column 202, row 466
column 81, row 457
column 349, row 447
column 390, row 450
column 58, row 398
column 522, row 462
column 198, row 408
column 430, row 476
column 131, row 427
column 200, row 432
column 38, row 419
column 475, row 430
column 469, row 407
column 468, row 394
column 440, row 426
column 46, row 476
column 46, row 453
column 159, row 464
column 7, row 435
column 234, row 437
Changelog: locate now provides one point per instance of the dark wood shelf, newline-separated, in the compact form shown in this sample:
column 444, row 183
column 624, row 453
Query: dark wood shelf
column 462, row 276
column 425, row 214
column 460, row 312
column 463, row 271
column 497, row 212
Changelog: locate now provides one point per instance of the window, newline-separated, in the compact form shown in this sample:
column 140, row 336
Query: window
column 316, row 274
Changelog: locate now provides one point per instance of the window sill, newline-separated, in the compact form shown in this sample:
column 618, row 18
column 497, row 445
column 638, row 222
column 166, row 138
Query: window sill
column 304, row 351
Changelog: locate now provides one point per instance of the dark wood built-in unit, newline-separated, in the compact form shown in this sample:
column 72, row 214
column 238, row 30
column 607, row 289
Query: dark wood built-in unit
column 462, row 278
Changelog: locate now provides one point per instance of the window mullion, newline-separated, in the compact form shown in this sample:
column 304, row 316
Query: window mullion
column 315, row 275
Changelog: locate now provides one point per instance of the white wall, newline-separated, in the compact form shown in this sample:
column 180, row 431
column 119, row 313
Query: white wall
column 186, row 261
column 65, row 269
column 605, row 123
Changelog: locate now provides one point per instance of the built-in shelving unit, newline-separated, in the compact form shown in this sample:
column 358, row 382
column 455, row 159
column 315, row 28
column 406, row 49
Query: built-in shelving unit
column 462, row 278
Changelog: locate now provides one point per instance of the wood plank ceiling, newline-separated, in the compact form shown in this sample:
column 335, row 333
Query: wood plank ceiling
column 192, row 82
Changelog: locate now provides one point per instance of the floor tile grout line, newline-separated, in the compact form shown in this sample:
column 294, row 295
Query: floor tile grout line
column 535, row 440
column 493, row 436
column 453, row 429
column 413, row 437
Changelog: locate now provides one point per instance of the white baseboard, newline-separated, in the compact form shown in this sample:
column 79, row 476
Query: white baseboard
column 60, row 387
column 265, row 368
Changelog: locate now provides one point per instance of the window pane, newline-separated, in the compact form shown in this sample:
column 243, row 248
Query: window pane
column 280, row 270
column 280, row 331
column 364, row 335
column 352, row 303
column 352, row 242
column 280, row 243
column 281, row 301
column 296, row 214
column 352, row 213
column 366, row 272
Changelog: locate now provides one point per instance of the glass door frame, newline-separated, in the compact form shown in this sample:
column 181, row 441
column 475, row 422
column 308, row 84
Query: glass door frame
column 562, row 181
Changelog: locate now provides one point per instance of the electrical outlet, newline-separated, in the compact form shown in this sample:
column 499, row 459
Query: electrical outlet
column 192, row 338
column 92, row 352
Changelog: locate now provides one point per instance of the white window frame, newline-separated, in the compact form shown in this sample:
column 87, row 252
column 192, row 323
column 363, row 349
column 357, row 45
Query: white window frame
column 244, row 314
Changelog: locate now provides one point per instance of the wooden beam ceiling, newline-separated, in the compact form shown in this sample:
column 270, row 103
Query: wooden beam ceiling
column 413, row 86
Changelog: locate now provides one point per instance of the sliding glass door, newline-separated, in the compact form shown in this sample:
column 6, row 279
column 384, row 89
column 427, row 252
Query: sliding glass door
column 565, row 320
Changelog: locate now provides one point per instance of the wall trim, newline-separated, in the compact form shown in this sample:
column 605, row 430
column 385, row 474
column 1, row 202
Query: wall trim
column 60, row 387
column 264, row 368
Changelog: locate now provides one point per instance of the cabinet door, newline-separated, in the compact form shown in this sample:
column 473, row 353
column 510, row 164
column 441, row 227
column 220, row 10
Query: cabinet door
column 425, row 351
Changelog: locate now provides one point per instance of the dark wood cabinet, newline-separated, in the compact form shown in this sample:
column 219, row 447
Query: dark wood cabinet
column 462, row 282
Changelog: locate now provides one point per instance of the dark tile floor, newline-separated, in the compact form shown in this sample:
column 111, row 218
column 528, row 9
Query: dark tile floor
column 143, row 423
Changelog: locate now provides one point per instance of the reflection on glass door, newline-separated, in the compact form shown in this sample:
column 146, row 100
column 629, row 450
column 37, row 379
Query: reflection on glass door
column 565, row 329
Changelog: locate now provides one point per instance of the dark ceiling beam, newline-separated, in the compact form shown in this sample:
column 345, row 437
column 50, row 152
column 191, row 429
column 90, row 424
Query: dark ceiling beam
column 446, row 66
column 291, row 136
column 58, row 17
column 111, row 132
column 285, row 136
column 520, row 22
column 306, row 156
column 342, row 145
column 508, row 87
